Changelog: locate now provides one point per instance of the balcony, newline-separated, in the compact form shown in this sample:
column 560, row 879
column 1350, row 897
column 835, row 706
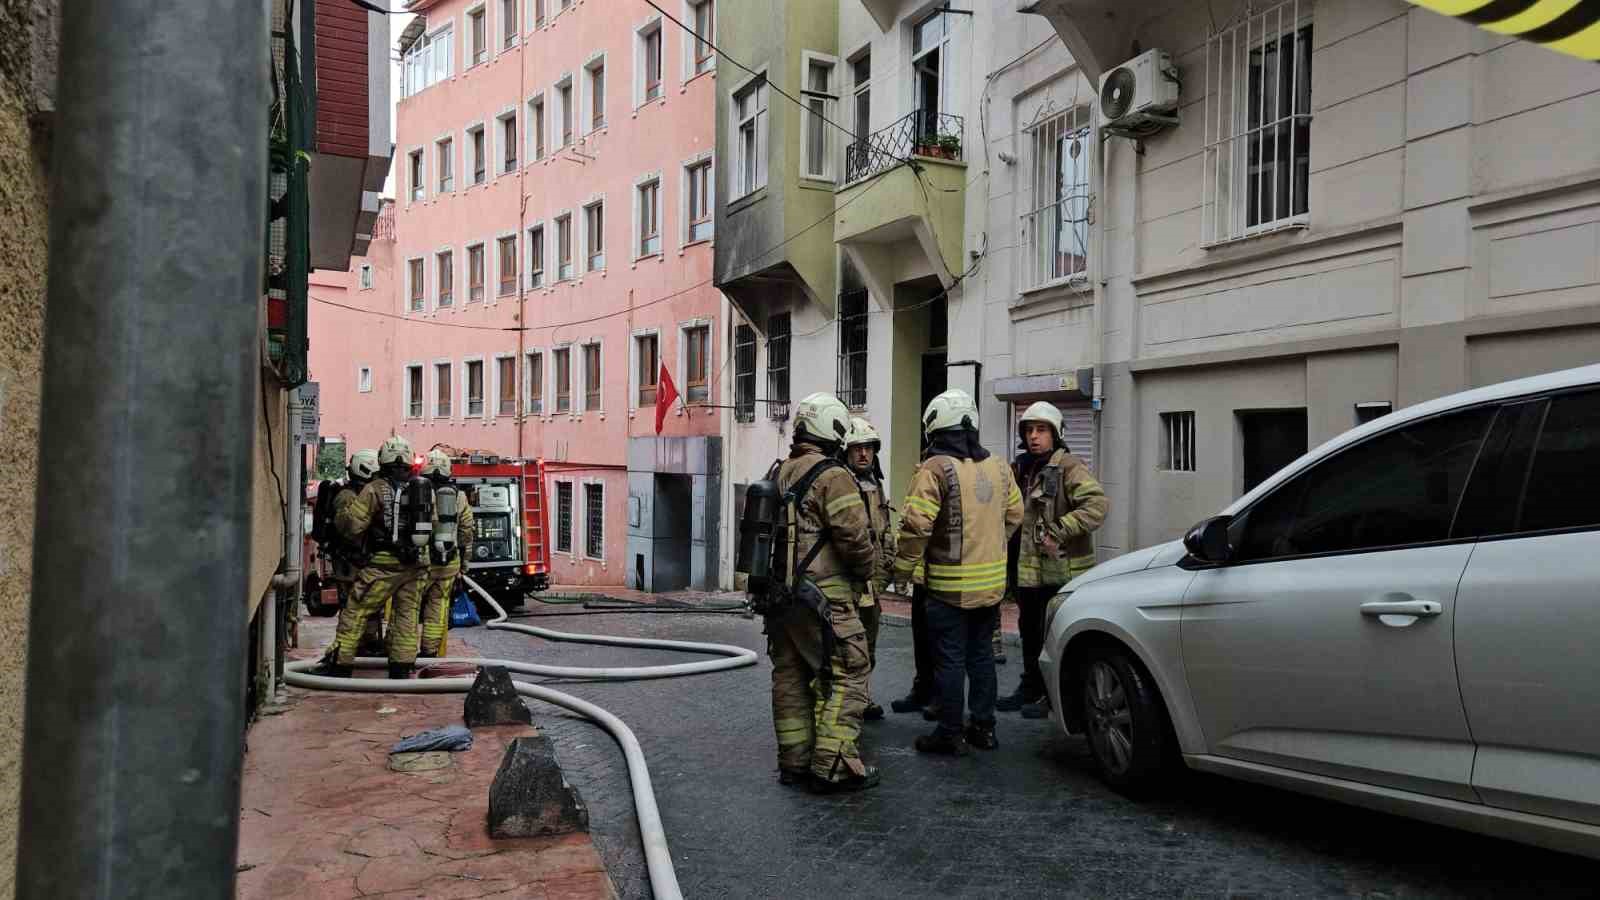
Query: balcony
column 921, row 132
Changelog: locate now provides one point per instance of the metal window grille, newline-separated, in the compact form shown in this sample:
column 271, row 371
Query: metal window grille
column 474, row 388
column 414, row 391
column 778, row 331
column 508, row 386
column 564, row 516
column 441, row 390
column 853, row 348
column 594, row 509
column 744, row 374
column 1177, row 451
column 1057, row 225
column 1257, row 123
column 535, row 384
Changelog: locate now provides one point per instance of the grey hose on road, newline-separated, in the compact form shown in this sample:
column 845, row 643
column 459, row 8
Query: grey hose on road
column 658, row 859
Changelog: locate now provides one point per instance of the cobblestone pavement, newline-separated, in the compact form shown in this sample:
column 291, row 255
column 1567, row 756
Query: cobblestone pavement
column 1029, row 820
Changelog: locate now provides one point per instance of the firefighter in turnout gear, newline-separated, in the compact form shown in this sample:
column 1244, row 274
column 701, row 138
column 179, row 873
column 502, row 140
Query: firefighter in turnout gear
column 861, row 454
column 820, row 658
column 362, row 469
column 370, row 519
column 445, row 563
column 1063, row 505
column 958, row 517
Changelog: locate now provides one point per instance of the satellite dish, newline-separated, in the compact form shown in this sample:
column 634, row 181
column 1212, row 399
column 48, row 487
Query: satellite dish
column 1116, row 94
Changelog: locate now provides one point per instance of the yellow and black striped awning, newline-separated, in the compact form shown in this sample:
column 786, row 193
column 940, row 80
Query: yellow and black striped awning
column 1567, row 26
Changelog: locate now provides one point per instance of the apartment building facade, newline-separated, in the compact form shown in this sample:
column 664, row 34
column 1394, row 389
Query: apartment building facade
column 551, row 251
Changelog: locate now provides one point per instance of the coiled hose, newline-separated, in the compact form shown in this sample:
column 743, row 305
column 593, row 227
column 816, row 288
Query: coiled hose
column 658, row 859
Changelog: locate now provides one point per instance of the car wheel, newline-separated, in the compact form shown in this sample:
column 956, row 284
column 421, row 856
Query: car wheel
column 1124, row 720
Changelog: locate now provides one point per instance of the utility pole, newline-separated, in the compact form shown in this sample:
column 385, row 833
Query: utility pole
column 135, row 693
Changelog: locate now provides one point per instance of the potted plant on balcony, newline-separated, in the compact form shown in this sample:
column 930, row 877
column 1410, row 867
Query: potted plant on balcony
column 938, row 146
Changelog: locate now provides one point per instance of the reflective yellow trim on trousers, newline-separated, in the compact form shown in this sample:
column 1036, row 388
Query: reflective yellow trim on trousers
column 842, row 504
column 923, row 505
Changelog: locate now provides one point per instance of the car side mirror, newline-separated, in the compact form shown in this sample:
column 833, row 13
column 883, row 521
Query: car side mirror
column 1208, row 541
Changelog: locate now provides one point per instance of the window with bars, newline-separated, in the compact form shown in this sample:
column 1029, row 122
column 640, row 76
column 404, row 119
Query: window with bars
column 705, row 25
column 508, row 265
column 480, row 156
column 697, row 345
column 414, row 392
column 1177, row 449
column 536, row 256
column 479, row 26
column 778, row 366
column 591, row 377
column 563, row 363
column 744, row 374
column 443, row 389
column 1057, row 224
column 418, row 189
column 853, row 348
column 564, row 516
column 475, row 387
column 1257, row 124
column 475, row 273
column 447, row 153
column 594, row 513
column 563, row 248
column 594, row 220
column 816, row 133
column 418, row 284
column 650, row 218
column 700, row 201
column 750, row 121
column 507, row 375
column 647, row 350
column 650, row 62
column 445, row 277
column 535, row 367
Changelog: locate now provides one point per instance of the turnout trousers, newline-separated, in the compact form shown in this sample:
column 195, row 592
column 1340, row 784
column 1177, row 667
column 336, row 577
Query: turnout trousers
column 817, row 702
column 441, row 582
column 375, row 586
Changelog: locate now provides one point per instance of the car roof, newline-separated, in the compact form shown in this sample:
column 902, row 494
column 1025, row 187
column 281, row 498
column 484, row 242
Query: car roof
column 1505, row 390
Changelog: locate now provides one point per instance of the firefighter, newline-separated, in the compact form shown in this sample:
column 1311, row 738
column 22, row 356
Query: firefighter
column 820, row 658
column 439, row 586
column 958, row 517
column 861, row 454
column 369, row 520
column 1063, row 506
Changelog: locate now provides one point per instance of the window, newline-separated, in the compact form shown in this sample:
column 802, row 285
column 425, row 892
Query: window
column 508, row 23
column 591, row 377
column 364, row 380
column 744, row 374
column 597, row 96
column 1366, row 412
column 418, row 283
column 538, row 13
column 817, row 92
column 563, row 247
column 508, row 265
column 750, row 118
column 443, row 387
column 444, row 268
column 1257, row 125
column 648, row 353
column 594, row 220
column 536, row 256
column 700, row 201
column 778, row 366
column 1562, row 491
column 427, row 61
column 650, row 218
column 508, row 141
column 594, row 511
column 563, row 361
column 366, row 276
column 930, row 64
column 418, row 188
column 705, row 23
column 536, row 126
column 475, row 387
column 480, row 156
column 564, row 95
column 414, row 392
column 446, row 154
column 478, row 21
column 475, row 273
column 853, row 348
column 535, row 384
column 506, row 367
column 697, row 340
column 1397, row 488
column 1177, row 447
column 650, row 62
column 861, row 74
column 564, row 517
column 1057, row 224
column 1269, row 439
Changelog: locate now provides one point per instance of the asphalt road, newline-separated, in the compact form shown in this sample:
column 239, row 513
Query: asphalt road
column 1028, row 820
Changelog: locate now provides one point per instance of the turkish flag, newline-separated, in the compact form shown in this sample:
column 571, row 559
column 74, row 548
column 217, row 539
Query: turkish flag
column 666, row 393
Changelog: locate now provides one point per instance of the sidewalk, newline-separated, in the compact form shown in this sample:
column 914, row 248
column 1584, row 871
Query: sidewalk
column 323, row 816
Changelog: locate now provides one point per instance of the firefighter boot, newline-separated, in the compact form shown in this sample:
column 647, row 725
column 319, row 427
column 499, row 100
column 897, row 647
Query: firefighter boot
column 942, row 744
column 873, row 713
column 867, row 779
column 400, row 670
column 1025, row 695
column 981, row 735
column 330, row 669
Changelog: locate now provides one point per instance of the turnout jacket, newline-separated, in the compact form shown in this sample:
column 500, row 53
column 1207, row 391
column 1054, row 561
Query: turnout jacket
column 958, row 519
column 1066, row 503
column 833, row 504
column 366, row 521
column 879, row 514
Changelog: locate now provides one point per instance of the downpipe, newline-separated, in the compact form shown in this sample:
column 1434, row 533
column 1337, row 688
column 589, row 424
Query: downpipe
column 658, row 858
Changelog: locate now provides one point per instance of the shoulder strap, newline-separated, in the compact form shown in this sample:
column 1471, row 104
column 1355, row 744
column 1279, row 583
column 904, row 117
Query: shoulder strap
column 798, row 493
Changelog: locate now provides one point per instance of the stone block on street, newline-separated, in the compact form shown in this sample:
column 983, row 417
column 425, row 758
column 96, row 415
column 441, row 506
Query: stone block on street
column 530, row 797
column 493, row 700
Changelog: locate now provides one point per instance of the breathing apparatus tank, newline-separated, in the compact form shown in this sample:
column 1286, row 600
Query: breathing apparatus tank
column 413, row 518
column 761, row 536
column 447, row 510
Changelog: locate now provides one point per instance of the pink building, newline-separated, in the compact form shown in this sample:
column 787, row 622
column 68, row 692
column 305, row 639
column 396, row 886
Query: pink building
column 550, row 251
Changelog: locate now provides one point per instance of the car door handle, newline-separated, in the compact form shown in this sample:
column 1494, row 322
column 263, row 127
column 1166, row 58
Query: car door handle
column 1402, row 608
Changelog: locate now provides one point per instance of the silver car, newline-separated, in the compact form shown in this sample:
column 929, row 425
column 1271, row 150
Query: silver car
column 1406, row 618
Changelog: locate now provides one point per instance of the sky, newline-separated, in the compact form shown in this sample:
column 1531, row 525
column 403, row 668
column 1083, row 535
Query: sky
column 397, row 24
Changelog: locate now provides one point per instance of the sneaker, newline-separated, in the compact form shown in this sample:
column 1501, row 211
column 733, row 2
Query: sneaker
column 872, row 713
column 933, row 712
column 868, row 779
column 794, row 777
column 1039, row 709
column 330, row 670
column 1017, row 700
column 981, row 736
column 942, row 744
column 911, row 702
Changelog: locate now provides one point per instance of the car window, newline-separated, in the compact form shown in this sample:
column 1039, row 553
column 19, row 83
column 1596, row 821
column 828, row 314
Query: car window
column 1563, row 489
column 1495, row 491
column 1400, row 487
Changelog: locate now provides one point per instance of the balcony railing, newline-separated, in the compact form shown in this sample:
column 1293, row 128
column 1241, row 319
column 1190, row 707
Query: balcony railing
column 918, row 133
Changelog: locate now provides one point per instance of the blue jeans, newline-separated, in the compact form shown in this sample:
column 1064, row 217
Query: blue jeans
column 963, row 651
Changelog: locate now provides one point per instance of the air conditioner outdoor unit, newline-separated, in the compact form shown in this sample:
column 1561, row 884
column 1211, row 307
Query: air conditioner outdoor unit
column 1141, row 94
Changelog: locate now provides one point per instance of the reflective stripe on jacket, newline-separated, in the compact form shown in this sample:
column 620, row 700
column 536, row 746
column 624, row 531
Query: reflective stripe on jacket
column 958, row 517
column 1065, row 502
column 834, row 502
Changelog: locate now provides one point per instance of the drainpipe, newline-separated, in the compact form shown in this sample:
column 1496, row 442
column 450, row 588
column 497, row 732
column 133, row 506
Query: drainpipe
column 133, row 740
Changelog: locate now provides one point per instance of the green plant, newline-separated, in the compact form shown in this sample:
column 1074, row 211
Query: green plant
column 950, row 143
column 330, row 461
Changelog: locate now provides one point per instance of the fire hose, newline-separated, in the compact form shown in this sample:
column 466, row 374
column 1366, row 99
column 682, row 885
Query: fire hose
column 658, row 860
